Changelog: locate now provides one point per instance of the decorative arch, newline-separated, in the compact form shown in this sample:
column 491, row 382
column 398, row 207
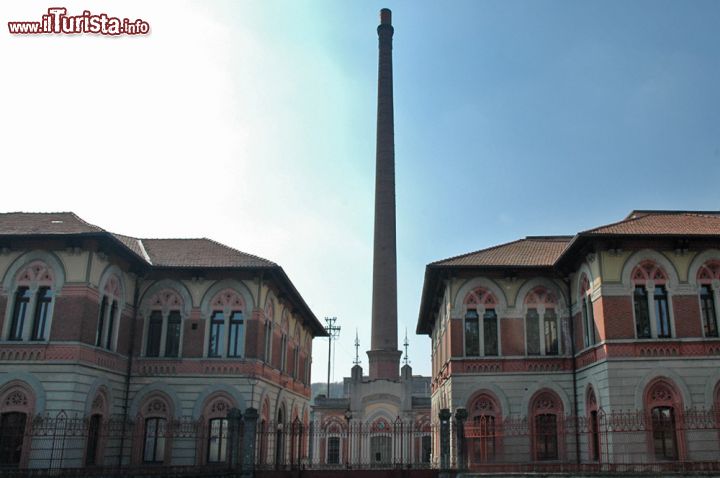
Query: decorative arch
column 541, row 283
column 212, row 293
column 584, row 279
column 154, row 388
column 712, row 392
column 546, row 415
column 100, row 384
column 647, row 271
column 33, row 279
column 112, row 283
column 181, row 296
column 153, row 418
column 97, row 413
column 496, row 393
column 17, row 405
column 700, row 260
column 535, row 389
column 592, row 410
column 662, row 374
column 480, row 283
column 663, row 407
column 545, row 313
column 671, row 280
column 218, row 389
column 46, row 257
column 28, row 380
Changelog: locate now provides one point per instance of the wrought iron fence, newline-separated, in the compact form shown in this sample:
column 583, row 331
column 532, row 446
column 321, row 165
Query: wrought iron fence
column 658, row 440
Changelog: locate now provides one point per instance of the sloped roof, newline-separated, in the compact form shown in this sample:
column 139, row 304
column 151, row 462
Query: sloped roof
column 664, row 223
column 32, row 223
column 199, row 253
column 533, row 251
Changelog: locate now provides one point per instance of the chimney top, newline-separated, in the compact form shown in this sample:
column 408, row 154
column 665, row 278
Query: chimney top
column 385, row 16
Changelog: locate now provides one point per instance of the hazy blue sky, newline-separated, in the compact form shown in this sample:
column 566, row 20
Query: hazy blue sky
column 253, row 123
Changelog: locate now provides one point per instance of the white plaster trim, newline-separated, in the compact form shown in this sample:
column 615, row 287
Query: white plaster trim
column 32, row 382
column 655, row 256
column 712, row 382
column 494, row 390
column 698, row 261
column 472, row 284
column 162, row 388
column 99, row 382
column 208, row 391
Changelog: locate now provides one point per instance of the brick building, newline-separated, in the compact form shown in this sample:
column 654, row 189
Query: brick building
column 145, row 334
column 597, row 347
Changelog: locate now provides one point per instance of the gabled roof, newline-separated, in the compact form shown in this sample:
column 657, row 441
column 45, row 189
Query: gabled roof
column 33, row 223
column 665, row 223
column 533, row 251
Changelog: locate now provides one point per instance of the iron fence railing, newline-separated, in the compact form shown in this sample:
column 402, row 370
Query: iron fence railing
column 659, row 440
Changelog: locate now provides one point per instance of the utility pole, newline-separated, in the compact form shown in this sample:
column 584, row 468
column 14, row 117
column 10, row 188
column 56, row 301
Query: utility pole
column 333, row 332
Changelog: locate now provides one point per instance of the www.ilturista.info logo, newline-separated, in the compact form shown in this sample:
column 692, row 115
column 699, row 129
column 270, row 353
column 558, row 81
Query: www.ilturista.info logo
column 57, row 21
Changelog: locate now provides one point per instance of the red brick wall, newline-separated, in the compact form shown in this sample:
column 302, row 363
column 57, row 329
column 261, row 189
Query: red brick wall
column 512, row 336
column 614, row 317
column 251, row 338
column 75, row 318
column 193, row 340
column 686, row 311
column 456, row 338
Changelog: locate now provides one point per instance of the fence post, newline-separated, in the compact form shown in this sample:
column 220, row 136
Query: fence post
column 234, row 416
column 249, row 437
column 460, row 416
column 444, row 416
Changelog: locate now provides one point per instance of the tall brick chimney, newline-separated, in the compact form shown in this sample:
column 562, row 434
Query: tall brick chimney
column 384, row 356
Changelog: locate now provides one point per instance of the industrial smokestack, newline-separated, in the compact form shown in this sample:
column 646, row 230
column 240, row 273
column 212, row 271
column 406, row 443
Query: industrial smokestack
column 384, row 356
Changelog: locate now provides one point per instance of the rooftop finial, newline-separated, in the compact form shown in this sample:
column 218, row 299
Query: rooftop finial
column 357, row 347
column 406, row 344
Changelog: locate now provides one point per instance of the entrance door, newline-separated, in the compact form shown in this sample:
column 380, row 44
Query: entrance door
column 380, row 450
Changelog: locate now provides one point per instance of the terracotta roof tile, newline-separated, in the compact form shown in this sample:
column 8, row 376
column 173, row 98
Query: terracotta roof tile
column 27, row 223
column 199, row 253
column 528, row 252
column 672, row 223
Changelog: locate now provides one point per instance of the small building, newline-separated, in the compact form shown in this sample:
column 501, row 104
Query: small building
column 600, row 347
column 118, row 350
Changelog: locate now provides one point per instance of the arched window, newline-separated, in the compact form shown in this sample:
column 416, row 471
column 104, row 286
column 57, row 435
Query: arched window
column 333, row 450
column 227, row 315
column 664, row 406
column 155, row 422
column 482, row 428
column 164, row 325
column 708, row 279
column 381, row 442
column 588, row 315
column 541, row 318
column 591, row 408
column 481, row 337
column 95, row 445
column 650, row 301
column 108, row 319
column 17, row 403
column 546, row 413
column 215, row 413
column 280, row 436
column 32, row 303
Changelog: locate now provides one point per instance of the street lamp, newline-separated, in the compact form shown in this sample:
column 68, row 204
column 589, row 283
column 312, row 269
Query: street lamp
column 348, row 417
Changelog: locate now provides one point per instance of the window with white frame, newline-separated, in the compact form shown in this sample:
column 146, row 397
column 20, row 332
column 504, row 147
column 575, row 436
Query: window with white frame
column 108, row 317
column 226, row 326
column 542, row 324
column 481, row 324
column 32, row 304
column 708, row 278
column 163, row 328
column 651, row 304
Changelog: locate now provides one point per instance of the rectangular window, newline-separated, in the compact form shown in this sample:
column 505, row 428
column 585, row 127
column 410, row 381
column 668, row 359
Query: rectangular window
column 591, row 322
column 12, row 434
column 152, row 348
column 172, row 338
column 268, row 341
column 92, row 440
column 235, row 335
column 472, row 334
column 707, row 305
column 551, row 333
column 642, row 315
column 595, row 436
column 483, row 446
column 111, row 325
column 586, row 321
column 426, row 448
column 101, row 322
column 296, row 362
column 546, row 439
column 283, row 353
column 42, row 313
column 490, row 332
column 217, row 440
column 532, row 331
column 663, row 427
column 154, row 449
column 22, row 302
column 333, row 456
column 662, row 314
column 217, row 331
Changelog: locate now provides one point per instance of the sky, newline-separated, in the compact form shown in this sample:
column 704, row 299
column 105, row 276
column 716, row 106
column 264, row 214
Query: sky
column 253, row 123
